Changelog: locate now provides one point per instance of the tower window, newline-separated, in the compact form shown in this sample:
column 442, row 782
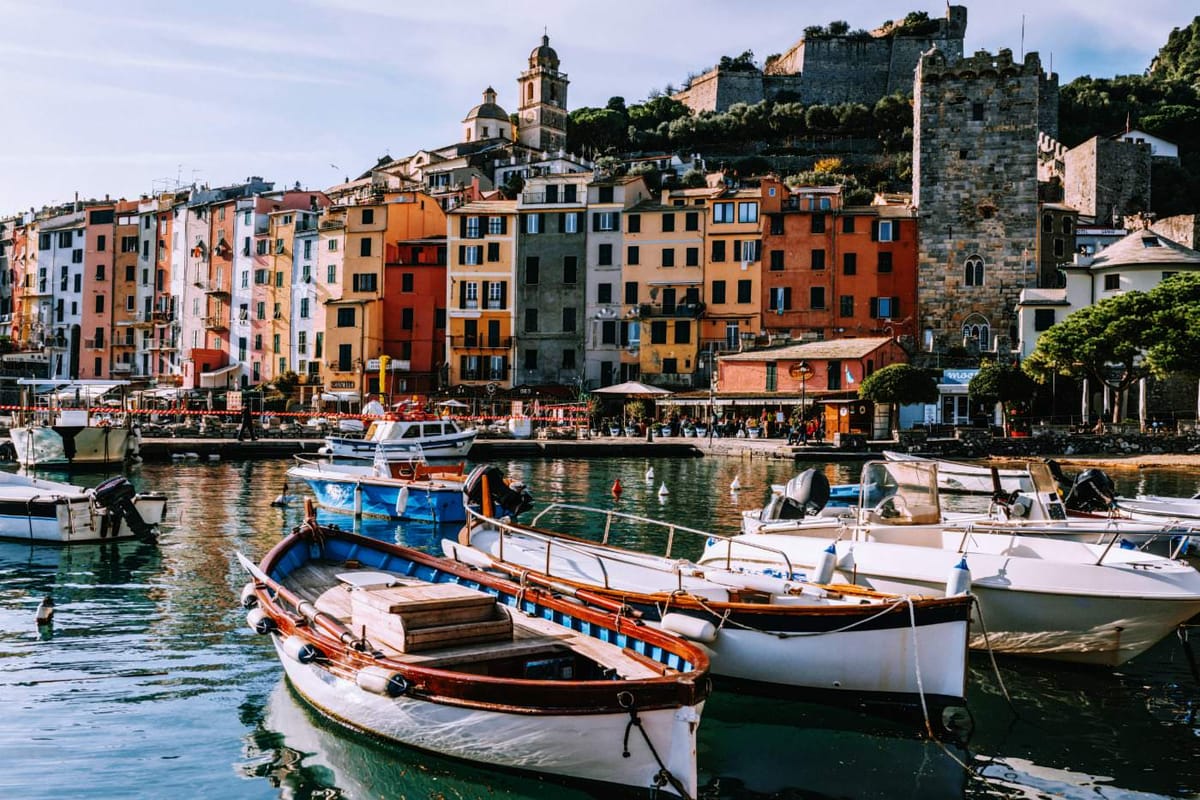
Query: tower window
column 977, row 112
column 973, row 271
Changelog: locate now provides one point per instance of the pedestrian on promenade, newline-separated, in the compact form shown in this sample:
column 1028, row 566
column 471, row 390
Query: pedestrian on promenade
column 247, row 428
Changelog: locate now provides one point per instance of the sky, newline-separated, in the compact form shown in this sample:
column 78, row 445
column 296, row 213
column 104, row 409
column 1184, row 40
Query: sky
column 128, row 98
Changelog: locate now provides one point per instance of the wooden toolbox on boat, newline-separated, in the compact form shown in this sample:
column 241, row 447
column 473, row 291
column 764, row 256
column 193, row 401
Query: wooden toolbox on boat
column 427, row 616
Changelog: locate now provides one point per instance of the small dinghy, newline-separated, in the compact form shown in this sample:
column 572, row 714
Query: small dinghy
column 50, row 512
column 439, row 656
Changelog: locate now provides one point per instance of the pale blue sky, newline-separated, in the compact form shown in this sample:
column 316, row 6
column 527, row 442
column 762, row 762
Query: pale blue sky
column 116, row 97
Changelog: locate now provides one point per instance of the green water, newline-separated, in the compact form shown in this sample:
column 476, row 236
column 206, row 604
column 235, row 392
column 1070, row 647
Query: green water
column 149, row 684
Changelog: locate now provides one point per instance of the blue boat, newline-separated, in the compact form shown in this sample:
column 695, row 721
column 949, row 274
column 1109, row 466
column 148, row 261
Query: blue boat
column 397, row 490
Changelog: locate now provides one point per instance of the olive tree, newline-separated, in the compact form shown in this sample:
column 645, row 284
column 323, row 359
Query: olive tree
column 1003, row 384
column 897, row 385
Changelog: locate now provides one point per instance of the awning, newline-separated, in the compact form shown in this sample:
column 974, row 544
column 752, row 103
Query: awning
column 338, row 397
column 218, row 378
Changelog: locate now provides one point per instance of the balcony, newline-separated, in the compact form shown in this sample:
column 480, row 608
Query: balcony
column 679, row 310
column 481, row 342
column 210, row 287
column 482, row 375
column 215, row 324
column 162, row 317
column 674, row 379
column 542, row 198
column 162, row 345
column 93, row 344
column 122, row 368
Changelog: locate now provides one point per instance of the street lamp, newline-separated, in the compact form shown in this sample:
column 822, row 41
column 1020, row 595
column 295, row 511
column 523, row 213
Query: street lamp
column 802, row 370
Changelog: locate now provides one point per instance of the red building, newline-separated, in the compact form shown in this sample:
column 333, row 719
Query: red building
column 414, row 322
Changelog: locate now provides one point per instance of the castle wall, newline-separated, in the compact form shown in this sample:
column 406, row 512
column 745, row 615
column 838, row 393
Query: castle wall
column 1107, row 179
column 1183, row 229
column 975, row 169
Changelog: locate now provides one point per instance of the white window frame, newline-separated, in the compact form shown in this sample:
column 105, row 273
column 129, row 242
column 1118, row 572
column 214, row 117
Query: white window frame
column 495, row 226
column 886, row 231
column 748, row 212
column 571, row 222
column 531, row 224
column 723, row 212
column 473, row 255
column 471, row 295
column 495, row 290
column 473, row 231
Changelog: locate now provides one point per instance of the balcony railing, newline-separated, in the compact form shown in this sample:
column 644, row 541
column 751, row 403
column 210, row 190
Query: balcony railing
column 482, row 375
column 93, row 344
column 216, row 324
column 681, row 310
column 482, row 342
column 543, row 199
column 122, row 367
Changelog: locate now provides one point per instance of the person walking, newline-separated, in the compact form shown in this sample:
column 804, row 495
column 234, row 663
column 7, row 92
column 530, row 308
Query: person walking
column 247, row 428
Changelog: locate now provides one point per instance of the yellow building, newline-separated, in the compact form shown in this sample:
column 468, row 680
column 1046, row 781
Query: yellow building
column 663, row 279
column 481, row 251
column 732, row 270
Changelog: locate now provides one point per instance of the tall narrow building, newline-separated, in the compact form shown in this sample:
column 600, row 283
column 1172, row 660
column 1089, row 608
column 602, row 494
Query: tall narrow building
column 542, row 112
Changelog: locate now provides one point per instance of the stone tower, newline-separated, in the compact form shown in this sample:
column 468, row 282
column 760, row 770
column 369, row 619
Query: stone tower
column 542, row 112
column 975, row 146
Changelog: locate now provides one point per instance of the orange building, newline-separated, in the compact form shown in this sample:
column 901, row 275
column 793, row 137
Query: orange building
column 414, row 327
column 96, row 297
column 732, row 270
column 124, row 290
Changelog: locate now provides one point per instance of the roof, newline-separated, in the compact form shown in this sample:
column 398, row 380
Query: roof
column 1043, row 297
column 830, row 349
column 1060, row 207
column 544, row 55
column 487, row 111
column 487, row 207
column 1146, row 247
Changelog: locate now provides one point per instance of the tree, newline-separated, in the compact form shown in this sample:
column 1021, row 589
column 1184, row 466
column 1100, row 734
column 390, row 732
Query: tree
column 899, row 384
column 1001, row 383
column 693, row 179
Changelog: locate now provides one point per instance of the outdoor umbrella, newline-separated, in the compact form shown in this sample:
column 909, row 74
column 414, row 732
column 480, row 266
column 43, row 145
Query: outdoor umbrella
column 631, row 389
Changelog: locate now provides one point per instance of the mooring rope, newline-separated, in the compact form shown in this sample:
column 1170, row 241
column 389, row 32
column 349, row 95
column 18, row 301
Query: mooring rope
column 627, row 702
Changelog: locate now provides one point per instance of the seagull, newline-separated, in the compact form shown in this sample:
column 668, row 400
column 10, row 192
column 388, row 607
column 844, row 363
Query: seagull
column 649, row 474
column 45, row 610
column 735, row 484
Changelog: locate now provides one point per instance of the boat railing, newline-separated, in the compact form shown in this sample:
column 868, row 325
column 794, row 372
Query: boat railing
column 672, row 529
column 505, row 528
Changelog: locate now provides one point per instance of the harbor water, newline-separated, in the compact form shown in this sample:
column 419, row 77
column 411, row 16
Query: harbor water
column 148, row 683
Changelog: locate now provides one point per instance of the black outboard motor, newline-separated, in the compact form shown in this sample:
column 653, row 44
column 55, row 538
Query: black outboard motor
column 805, row 495
column 116, row 495
column 1093, row 490
column 508, row 500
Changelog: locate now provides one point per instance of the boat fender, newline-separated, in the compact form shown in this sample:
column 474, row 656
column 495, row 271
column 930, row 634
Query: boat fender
column 378, row 680
column 698, row 630
column 663, row 491
column 617, row 489
column 300, row 650
column 249, row 598
column 769, row 584
column 960, row 579
column 259, row 621
column 466, row 555
column 401, row 501
column 826, row 564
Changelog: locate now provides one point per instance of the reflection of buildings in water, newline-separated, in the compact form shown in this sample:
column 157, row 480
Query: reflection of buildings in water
column 66, row 571
column 303, row 754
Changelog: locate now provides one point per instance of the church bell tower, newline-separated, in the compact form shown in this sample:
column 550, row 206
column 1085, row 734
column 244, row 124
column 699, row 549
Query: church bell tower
column 542, row 112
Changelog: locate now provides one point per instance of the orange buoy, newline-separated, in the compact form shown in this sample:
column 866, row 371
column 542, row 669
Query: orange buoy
column 616, row 488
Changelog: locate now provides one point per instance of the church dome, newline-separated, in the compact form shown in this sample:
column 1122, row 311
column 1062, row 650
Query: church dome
column 543, row 55
column 487, row 109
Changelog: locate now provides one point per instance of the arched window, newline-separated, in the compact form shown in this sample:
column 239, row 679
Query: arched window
column 973, row 271
column 529, row 91
column 976, row 328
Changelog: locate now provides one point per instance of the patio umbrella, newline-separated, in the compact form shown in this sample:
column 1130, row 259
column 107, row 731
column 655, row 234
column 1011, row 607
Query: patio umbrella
column 453, row 404
column 631, row 389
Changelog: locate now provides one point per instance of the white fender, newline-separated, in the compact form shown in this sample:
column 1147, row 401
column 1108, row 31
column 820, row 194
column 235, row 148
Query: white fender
column 960, row 579
column 825, row 565
column 698, row 630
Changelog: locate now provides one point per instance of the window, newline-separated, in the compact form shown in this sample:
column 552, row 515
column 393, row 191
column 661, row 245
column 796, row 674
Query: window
column 846, row 305
column 333, row 244
column 818, row 259
column 668, row 223
column 604, row 257
column 1112, row 282
column 668, row 256
column 99, row 272
column 302, row 342
column 847, row 224
column 973, row 271
column 496, row 226
column 471, row 229
column 101, row 242
column 849, row 263
column 568, row 320
column 683, row 332
column 406, row 319
column 658, row 331
column 306, row 273
column 631, row 292
column 531, row 359
column 532, row 269
column 76, row 256
column 780, row 299
column 533, row 223
column 364, row 246
column 571, row 221
column 531, row 320
column 260, row 310
column 718, row 291
column 99, row 304
column 608, row 332
column 750, row 251
column 570, row 269
column 1066, row 225
column 605, row 194
column 833, row 378
column 743, row 291
column 471, row 255
column 885, row 231
column 604, row 293
column 303, row 308
column 885, row 262
column 818, row 223
column 691, row 221
column 885, row 307
column 635, row 223
column 605, row 221
column 816, row 297
column 1047, row 223
column 776, row 260
column 772, row 377
column 308, row 248
column 279, row 278
column 346, row 317
column 1059, row 248
column 747, row 212
column 670, row 366
column 368, row 216
column 64, row 238
column 718, row 250
column 632, row 255
column 331, row 273
column 722, row 212
column 493, row 252
column 1043, row 319
column 977, row 112
column 568, row 358
column 495, row 294
column 406, row 282
column 364, row 282
column 692, row 256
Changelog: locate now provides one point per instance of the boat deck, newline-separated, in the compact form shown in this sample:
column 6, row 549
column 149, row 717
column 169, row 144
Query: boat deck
column 531, row 636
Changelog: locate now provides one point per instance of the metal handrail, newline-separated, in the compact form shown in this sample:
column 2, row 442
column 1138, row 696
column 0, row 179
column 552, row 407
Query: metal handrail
column 550, row 541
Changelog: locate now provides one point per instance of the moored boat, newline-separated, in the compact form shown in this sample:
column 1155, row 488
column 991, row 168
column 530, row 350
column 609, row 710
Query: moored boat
column 960, row 478
column 432, row 654
column 411, row 489
column 405, row 437
column 831, row 643
column 66, row 431
column 50, row 512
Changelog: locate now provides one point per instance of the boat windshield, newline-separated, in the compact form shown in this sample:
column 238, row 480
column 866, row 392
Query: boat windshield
column 901, row 491
column 373, row 432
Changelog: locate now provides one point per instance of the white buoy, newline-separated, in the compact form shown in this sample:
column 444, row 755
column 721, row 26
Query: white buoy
column 825, row 564
column 960, row 579
column 649, row 474
column 663, row 491
column 214, row 456
column 735, row 484
column 45, row 610
column 191, row 456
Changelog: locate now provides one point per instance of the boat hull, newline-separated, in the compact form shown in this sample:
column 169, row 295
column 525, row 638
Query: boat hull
column 449, row 446
column 44, row 446
column 73, row 520
column 429, row 501
column 582, row 747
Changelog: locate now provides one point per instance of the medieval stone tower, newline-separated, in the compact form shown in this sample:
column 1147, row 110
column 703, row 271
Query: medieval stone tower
column 975, row 146
column 542, row 113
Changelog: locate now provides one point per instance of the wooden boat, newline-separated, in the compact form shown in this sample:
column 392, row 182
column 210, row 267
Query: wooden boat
column 50, row 512
column 405, row 437
column 1043, row 590
column 411, row 489
column 66, row 431
column 422, row 651
column 842, row 643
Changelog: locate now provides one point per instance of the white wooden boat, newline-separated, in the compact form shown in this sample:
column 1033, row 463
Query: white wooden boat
column 840, row 643
column 49, row 512
column 68, row 430
column 957, row 477
column 1039, row 595
column 428, row 653
column 404, row 438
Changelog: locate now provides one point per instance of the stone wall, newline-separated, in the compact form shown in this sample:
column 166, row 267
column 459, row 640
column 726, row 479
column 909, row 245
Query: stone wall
column 1106, row 179
column 975, row 169
column 1182, row 229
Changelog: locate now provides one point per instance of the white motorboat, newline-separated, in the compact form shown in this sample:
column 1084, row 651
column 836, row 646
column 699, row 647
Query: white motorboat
column 957, row 477
column 428, row 653
column 49, row 512
column 68, row 429
column 1058, row 598
column 841, row 643
column 405, row 438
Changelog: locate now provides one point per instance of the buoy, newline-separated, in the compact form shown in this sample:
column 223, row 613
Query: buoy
column 616, row 488
column 45, row 610
column 825, row 564
column 649, row 474
column 663, row 491
column 735, row 484
column 960, row 579
column 214, row 456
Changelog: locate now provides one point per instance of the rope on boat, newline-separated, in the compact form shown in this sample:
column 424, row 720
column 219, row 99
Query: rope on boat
column 912, row 618
column 664, row 776
column 786, row 635
column 987, row 645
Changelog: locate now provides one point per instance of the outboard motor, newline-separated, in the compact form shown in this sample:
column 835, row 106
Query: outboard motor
column 1093, row 490
column 116, row 496
column 809, row 491
column 508, row 500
